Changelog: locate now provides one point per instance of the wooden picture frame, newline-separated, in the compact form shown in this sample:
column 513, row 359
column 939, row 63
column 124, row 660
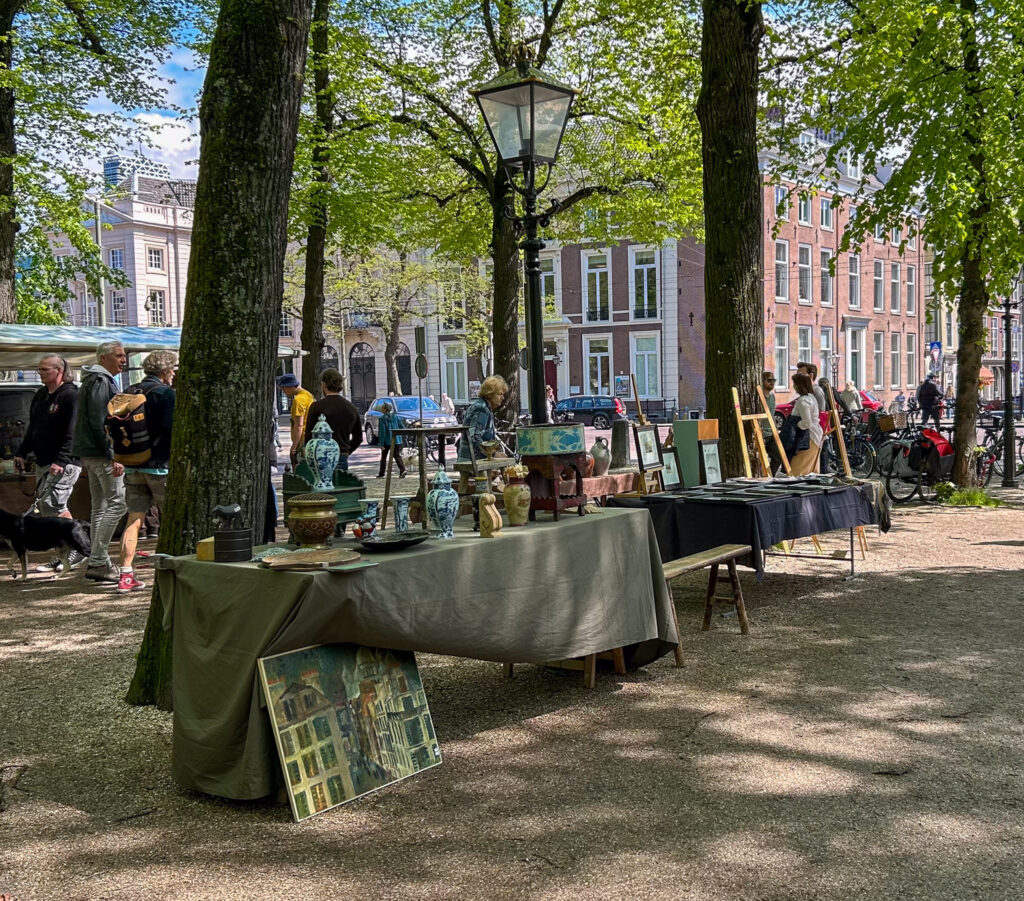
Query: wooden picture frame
column 710, row 464
column 648, row 448
column 671, row 475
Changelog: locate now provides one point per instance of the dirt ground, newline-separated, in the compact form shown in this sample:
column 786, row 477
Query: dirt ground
column 866, row 741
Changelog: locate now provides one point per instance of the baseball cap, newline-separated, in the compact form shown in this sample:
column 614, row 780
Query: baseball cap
column 287, row 381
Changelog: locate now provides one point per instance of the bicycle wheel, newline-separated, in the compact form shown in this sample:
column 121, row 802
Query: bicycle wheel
column 926, row 487
column 862, row 456
column 900, row 484
column 996, row 447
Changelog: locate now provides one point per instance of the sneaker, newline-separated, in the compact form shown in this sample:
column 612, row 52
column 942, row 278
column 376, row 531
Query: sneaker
column 128, row 582
column 107, row 573
column 75, row 559
column 54, row 566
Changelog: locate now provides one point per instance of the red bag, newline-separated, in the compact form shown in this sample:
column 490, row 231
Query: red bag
column 941, row 444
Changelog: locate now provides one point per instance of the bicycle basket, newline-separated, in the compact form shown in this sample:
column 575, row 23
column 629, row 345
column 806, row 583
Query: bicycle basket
column 890, row 422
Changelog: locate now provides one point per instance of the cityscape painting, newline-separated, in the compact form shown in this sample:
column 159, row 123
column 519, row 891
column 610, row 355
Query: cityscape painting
column 347, row 720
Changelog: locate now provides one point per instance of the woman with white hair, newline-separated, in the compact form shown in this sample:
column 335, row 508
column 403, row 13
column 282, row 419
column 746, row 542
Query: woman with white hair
column 851, row 397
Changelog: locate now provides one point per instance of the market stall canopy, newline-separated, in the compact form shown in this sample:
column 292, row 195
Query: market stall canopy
column 985, row 376
column 22, row 345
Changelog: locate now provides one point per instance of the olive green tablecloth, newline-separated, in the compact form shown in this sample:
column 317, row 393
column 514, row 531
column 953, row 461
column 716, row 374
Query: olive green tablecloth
column 548, row 591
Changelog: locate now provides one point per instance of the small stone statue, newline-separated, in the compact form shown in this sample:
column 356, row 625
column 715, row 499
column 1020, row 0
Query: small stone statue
column 490, row 518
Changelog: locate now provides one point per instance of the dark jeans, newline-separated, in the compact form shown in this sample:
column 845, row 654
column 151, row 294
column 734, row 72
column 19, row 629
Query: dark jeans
column 384, row 461
column 929, row 412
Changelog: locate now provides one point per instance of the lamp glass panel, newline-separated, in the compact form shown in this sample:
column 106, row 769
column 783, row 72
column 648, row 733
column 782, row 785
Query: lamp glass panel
column 549, row 121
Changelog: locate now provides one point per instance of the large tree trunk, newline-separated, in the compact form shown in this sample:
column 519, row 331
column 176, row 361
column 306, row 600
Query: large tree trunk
column 248, row 120
column 392, row 340
column 973, row 291
column 508, row 271
column 733, row 215
column 316, row 236
column 8, row 211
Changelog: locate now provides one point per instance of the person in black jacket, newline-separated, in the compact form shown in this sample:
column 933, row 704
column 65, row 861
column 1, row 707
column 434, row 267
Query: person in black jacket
column 928, row 397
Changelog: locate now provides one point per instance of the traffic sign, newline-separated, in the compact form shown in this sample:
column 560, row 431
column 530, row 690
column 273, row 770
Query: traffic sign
column 421, row 366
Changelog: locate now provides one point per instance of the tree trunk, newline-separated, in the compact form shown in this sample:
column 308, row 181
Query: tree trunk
column 974, row 297
column 508, row 272
column 316, row 236
column 8, row 210
column 733, row 215
column 248, row 121
column 391, row 347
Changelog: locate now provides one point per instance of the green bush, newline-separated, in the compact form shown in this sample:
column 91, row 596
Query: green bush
column 944, row 491
column 969, row 497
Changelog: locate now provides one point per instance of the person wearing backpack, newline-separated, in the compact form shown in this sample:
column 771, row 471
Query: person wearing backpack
column 146, row 483
column 91, row 444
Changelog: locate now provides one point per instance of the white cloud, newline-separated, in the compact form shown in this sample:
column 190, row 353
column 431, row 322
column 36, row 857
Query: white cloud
column 175, row 143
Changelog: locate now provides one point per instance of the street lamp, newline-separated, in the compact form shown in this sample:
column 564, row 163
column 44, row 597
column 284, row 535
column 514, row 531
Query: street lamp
column 526, row 112
column 1009, row 425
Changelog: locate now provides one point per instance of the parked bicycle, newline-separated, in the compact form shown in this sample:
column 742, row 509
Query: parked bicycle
column 992, row 426
column 915, row 465
column 859, row 450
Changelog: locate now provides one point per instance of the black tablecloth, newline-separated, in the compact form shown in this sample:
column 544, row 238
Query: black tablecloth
column 683, row 528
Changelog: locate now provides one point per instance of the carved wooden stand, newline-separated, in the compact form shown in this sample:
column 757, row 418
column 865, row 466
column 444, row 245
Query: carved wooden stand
column 545, row 481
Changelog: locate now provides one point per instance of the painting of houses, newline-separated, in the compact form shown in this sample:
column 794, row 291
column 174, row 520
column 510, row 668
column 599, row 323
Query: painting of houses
column 347, row 720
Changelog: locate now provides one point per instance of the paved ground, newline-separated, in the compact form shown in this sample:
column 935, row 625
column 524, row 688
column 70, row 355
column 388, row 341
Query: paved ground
column 866, row 741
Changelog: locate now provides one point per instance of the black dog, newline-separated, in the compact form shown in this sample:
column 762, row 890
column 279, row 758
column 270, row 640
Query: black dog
column 28, row 532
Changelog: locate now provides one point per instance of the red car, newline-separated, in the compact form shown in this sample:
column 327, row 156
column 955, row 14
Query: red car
column 867, row 399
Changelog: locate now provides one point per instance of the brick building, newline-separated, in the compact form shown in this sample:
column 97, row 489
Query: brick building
column 860, row 315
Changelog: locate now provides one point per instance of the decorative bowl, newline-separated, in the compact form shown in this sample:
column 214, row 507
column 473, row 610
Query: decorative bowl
column 392, row 541
column 312, row 519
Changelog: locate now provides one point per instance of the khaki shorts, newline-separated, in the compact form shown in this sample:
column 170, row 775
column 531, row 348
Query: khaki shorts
column 53, row 500
column 144, row 490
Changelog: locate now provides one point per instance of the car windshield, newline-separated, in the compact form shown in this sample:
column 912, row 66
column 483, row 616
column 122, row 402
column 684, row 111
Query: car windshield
column 412, row 404
column 869, row 396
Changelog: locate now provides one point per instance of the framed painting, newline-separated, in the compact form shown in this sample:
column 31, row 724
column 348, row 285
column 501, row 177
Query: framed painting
column 648, row 450
column 670, row 476
column 347, row 720
column 710, row 466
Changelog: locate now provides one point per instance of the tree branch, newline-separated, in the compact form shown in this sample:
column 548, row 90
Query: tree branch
column 90, row 39
column 437, row 138
column 547, row 35
column 492, row 38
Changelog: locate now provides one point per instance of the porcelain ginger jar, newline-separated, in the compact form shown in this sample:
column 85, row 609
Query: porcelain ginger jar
column 442, row 506
column 322, row 455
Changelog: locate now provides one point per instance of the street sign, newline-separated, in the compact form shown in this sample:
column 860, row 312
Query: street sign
column 524, row 358
column 1015, row 366
column 421, row 366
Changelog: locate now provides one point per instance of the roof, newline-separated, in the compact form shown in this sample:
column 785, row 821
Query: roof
column 22, row 345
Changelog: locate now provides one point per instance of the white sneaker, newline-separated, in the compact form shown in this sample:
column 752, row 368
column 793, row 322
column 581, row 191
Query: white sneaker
column 54, row 566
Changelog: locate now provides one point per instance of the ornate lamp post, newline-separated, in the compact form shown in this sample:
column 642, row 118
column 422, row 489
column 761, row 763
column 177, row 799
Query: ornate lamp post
column 1009, row 425
column 526, row 112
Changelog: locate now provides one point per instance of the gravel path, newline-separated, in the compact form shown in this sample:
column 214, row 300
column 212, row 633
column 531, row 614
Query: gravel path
column 865, row 742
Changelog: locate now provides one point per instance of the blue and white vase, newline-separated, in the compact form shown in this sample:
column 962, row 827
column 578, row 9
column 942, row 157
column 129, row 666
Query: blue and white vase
column 442, row 506
column 401, row 505
column 322, row 455
column 370, row 507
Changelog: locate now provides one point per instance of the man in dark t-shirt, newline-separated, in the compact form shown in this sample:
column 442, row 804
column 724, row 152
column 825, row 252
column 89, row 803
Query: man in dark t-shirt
column 342, row 416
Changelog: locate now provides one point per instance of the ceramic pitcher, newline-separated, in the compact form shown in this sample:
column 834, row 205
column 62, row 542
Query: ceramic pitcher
column 602, row 456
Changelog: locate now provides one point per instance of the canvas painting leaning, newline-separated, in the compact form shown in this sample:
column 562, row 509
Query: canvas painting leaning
column 347, row 720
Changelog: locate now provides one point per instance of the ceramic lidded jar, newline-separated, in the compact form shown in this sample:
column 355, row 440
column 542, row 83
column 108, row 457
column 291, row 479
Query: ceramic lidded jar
column 442, row 506
column 322, row 455
column 602, row 456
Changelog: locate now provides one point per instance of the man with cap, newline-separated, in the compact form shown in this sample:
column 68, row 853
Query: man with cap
column 301, row 401
column 929, row 397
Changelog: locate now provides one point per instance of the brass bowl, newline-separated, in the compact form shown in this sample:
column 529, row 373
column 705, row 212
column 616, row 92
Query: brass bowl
column 312, row 519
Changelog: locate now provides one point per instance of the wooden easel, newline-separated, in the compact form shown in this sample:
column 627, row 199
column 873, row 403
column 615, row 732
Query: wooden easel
column 656, row 484
column 837, row 430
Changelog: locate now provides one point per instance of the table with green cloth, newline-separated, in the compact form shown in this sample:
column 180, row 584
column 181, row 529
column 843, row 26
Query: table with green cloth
column 547, row 591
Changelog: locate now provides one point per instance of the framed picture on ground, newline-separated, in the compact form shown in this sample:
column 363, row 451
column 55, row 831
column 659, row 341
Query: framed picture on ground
column 648, row 450
column 347, row 720
column 670, row 475
column 710, row 467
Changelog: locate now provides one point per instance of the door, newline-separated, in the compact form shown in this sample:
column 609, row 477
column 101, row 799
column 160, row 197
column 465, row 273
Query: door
column 404, row 365
column 363, row 375
column 551, row 375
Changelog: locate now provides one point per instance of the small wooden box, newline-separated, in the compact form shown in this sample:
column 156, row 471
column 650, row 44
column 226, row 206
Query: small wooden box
column 204, row 549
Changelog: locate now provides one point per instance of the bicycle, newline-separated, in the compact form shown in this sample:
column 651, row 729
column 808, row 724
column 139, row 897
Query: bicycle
column 860, row 451
column 915, row 466
column 993, row 441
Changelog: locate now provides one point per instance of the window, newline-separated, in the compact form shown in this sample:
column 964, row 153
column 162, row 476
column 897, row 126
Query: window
column 118, row 308
column 803, row 209
column 912, row 238
column 827, row 349
column 949, row 328
column 322, row 728
column 782, row 356
column 155, row 258
column 993, row 336
column 91, row 315
column 547, row 284
column 853, row 265
column 804, row 277
column 879, row 360
column 911, row 290
column 455, row 385
column 294, row 773
column 782, row 270
column 897, row 236
column 645, row 284
column 647, row 365
column 826, row 214
column 454, row 315
column 155, row 305
column 599, row 365
column 855, row 348
column 116, row 258
column 597, row 287
column 301, row 805
column 894, row 288
column 335, row 790
column 826, row 278
column 302, row 734
column 782, row 203
column 310, row 764
column 895, row 359
column 803, row 343
column 911, row 358
column 287, row 743
column 880, row 232
column 328, row 756
column 287, row 329
column 854, row 164
column 319, row 796
column 879, row 306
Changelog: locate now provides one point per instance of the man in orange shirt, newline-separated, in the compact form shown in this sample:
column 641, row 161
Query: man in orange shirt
column 301, row 401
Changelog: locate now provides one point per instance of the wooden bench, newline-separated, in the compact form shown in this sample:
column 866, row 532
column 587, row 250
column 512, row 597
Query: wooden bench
column 713, row 557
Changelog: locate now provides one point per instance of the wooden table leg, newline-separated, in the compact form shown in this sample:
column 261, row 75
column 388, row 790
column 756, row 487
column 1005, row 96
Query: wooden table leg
column 619, row 661
column 590, row 671
column 737, row 595
column 508, row 670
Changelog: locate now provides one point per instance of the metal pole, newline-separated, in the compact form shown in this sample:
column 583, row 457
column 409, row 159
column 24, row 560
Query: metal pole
column 101, row 300
column 532, row 245
column 1009, row 426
